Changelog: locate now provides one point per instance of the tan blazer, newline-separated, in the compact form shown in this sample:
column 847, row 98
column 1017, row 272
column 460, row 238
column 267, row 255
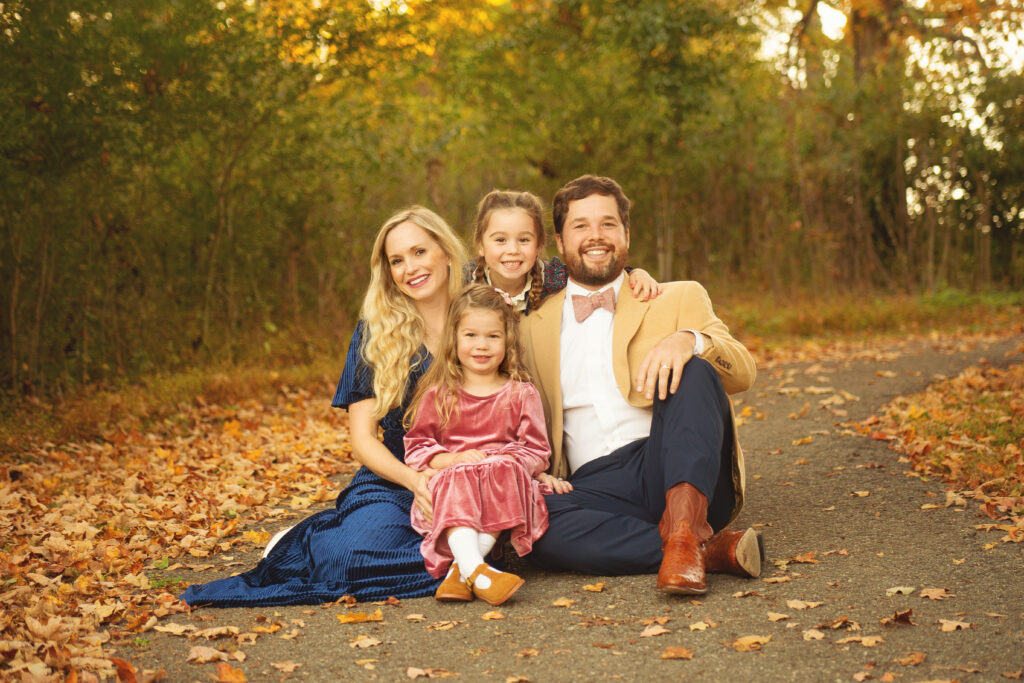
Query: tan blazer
column 639, row 325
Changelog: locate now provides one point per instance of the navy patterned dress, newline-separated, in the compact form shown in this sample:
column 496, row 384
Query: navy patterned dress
column 364, row 547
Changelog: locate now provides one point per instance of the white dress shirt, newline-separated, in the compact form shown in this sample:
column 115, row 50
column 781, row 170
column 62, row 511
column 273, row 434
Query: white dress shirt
column 596, row 417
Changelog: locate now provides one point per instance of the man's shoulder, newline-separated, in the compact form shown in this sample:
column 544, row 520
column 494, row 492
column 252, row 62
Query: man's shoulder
column 675, row 291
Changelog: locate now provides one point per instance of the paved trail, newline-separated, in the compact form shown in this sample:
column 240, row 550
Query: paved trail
column 846, row 499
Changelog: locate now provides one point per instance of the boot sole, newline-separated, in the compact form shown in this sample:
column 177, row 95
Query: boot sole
column 750, row 553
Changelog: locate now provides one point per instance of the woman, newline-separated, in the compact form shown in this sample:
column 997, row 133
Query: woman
column 366, row 547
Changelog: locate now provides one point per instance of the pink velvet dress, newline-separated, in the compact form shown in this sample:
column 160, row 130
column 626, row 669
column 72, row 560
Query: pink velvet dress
column 492, row 495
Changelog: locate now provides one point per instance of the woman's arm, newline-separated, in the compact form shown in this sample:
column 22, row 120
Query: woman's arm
column 369, row 451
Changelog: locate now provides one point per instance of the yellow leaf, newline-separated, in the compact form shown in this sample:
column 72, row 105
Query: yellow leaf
column 493, row 614
column 676, row 653
column 563, row 602
column 805, row 440
column 594, row 587
column 360, row 617
column 813, row 634
column 776, row 616
column 749, row 643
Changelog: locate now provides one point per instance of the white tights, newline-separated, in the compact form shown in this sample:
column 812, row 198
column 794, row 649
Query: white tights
column 469, row 547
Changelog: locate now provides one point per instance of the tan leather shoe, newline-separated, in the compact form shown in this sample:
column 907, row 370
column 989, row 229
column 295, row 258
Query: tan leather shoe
column 503, row 585
column 739, row 553
column 454, row 587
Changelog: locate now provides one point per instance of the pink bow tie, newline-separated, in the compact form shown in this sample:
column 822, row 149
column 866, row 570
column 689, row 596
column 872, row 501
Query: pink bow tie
column 583, row 306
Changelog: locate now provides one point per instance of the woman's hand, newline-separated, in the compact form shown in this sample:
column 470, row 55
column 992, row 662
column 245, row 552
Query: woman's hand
column 557, row 485
column 421, row 494
column 643, row 285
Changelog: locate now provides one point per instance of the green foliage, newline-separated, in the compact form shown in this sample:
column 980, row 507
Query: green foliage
column 187, row 182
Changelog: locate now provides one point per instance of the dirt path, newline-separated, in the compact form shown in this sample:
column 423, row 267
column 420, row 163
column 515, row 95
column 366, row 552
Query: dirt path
column 843, row 501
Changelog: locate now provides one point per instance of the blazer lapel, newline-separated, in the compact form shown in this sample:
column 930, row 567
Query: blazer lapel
column 629, row 313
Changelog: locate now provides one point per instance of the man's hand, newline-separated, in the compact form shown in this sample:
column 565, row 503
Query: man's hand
column 662, row 367
column 557, row 485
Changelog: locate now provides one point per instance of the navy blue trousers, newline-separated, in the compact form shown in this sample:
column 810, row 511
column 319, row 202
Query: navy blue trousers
column 608, row 524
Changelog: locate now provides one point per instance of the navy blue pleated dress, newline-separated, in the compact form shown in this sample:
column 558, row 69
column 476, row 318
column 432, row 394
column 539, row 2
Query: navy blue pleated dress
column 364, row 547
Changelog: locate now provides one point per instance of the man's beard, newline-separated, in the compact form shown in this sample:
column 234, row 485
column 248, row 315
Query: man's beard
column 595, row 276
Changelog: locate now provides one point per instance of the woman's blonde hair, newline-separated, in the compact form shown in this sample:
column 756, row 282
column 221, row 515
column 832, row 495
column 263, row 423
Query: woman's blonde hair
column 396, row 330
column 497, row 200
column 446, row 371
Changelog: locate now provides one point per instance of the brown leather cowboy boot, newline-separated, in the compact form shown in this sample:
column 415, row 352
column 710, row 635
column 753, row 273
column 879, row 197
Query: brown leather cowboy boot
column 739, row 553
column 684, row 529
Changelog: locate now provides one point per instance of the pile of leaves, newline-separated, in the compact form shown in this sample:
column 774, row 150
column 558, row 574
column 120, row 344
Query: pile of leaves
column 81, row 522
column 969, row 431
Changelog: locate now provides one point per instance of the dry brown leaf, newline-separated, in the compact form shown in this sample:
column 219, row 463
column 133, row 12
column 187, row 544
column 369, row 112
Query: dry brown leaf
column 776, row 616
column 216, row 632
column 813, row 634
column 360, row 617
column 594, row 587
column 699, row 626
column 202, row 654
column 899, row 618
column 749, row 643
column 936, row 593
column 443, row 625
column 415, row 617
column 676, row 653
column 777, row 579
column 654, row 630
column 363, row 642
column 806, row 558
column 493, row 614
column 912, row 659
column 802, row 604
column 286, row 667
column 949, row 625
column 530, row 652
column 563, row 602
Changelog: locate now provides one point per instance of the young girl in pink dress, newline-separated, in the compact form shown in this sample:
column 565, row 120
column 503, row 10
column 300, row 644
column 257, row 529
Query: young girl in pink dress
column 478, row 422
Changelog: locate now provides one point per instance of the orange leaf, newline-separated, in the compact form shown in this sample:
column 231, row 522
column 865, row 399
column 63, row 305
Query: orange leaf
column 749, row 643
column 360, row 617
column 229, row 674
column 676, row 653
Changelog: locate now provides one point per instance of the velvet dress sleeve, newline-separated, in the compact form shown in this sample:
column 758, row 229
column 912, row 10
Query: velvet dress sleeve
column 356, row 383
column 421, row 441
column 530, row 448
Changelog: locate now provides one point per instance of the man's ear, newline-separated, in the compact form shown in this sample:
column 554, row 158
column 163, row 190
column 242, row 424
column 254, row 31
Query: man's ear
column 627, row 239
column 558, row 245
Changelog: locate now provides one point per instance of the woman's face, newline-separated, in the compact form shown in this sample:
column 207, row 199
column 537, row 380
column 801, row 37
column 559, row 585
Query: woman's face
column 419, row 266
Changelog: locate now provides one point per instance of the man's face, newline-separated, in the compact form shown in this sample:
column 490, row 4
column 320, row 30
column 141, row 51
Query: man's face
column 594, row 243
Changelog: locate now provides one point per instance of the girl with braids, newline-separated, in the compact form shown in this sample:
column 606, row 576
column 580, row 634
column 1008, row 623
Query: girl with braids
column 509, row 239
column 365, row 547
column 479, row 423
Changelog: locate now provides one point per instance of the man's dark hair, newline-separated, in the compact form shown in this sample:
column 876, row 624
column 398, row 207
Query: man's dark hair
column 583, row 187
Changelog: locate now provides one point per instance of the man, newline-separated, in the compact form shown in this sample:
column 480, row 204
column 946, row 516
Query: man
column 637, row 411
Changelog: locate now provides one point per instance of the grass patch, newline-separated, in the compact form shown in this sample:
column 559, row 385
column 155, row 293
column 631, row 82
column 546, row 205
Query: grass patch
column 783, row 321
column 764, row 323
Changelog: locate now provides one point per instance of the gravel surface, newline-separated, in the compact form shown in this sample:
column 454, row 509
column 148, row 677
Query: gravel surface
column 846, row 499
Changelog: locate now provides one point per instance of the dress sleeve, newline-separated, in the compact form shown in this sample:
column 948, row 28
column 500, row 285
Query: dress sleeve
column 531, row 445
column 356, row 383
column 555, row 276
column 421, row 441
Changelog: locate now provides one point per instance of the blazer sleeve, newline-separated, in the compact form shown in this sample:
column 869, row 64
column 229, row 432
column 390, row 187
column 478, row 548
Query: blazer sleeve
column 530, row 448
column 422, row 440
column 729, row 357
